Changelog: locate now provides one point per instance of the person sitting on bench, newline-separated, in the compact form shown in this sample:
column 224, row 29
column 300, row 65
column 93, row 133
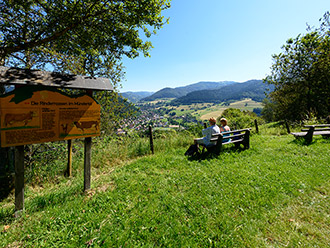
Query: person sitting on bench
column 224, row 128
column 207, row 132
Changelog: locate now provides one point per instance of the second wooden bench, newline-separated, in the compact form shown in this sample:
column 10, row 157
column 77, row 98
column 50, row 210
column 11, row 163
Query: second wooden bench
column 310, row 130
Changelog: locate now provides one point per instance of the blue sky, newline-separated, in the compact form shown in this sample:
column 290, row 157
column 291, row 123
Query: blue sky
column 216, row 40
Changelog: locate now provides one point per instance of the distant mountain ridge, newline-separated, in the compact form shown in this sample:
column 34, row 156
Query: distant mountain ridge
column 206, row 92
column 136, row 96
column 184, row 90
column 254, row 89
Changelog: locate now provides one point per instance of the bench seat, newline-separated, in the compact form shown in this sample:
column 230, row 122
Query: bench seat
column 302, row 134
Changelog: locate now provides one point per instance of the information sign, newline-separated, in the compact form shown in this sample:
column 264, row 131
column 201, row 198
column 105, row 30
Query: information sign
column 35, row 115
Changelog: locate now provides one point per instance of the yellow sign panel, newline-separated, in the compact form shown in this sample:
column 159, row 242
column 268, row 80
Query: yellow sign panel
column 35, row 115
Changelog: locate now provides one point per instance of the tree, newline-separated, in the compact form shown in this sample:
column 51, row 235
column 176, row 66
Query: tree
column 35, row 32
column 80, row 37
column 301, row 75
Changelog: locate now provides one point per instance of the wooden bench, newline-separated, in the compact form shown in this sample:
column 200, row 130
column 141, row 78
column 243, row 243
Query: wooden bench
column 309, row 131
column 237, row 137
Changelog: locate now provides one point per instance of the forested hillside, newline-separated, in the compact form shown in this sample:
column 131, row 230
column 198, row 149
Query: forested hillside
column 254, row 89
column 136, row 96
column 182, row 91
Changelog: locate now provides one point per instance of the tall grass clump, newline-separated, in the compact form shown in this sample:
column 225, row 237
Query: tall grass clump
column 46, row 163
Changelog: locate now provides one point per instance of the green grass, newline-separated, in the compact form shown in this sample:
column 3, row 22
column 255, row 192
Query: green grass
column 204, row 111
column 276, row 194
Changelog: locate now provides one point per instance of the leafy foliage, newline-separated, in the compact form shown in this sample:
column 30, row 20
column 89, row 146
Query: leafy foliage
column 75, row 35
column 301, row 76
column 114, row 109
column 238, row 119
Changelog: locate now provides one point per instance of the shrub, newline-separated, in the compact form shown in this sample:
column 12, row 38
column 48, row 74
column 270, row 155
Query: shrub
column 238, row 119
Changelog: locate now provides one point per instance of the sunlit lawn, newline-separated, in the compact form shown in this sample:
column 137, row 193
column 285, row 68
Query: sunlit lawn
column 275, row 194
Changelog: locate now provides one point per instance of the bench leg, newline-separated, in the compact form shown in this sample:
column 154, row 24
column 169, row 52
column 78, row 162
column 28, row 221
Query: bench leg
column 309, row 136
column 246, row 141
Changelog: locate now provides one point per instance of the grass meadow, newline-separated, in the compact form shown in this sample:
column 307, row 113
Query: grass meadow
column 275, row 194
column 204, row 111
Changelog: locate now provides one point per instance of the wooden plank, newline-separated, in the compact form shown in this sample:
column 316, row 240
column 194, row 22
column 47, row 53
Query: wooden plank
column 87, row 163
column 316, row 129
column 19, row 180
column 228, row 137
column 18, row 76
column 233, row 141
column 214, row 136
column 321, row 133
column 299, row 134
column 302, row 134
column 318, row 125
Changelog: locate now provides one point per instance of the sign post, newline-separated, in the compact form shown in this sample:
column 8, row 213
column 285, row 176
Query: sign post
column 19, row 180
column 68, row 172
column 87, row 163
column 39, row 113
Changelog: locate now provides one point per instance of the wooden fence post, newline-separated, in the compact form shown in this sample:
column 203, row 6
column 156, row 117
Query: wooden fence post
column 287, row 127
column 151, row 140
column 68, row 172
column 19, row 180
column 256, row 124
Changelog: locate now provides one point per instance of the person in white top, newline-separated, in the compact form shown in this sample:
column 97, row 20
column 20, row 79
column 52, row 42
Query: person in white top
column 207, row 132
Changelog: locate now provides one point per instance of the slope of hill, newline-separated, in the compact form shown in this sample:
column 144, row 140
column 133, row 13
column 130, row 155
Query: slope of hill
column 275, row 194
column 254, row 89
column 184, row 90
column 136, row 96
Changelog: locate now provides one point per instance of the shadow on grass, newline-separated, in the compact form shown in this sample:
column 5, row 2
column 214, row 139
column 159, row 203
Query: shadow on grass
column 302, row 142
column 6, row 186
column 209, row 155
column 39, row 203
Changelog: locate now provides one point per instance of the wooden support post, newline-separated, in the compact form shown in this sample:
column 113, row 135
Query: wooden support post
column 87, row 163
column 68, row 172
column 309, row 136
column 256, row 124
column 19, row 180
column 218, row 146
column 205, row 126
column 247, row 139
column 151, row 140
column 87, row 156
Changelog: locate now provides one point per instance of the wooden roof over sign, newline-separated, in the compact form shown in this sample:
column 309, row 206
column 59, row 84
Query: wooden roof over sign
column 17, row 76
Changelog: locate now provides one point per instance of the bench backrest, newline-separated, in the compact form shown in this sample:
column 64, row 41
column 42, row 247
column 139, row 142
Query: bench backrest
column 231, row 134
column 241, row 136
column 317, row 127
